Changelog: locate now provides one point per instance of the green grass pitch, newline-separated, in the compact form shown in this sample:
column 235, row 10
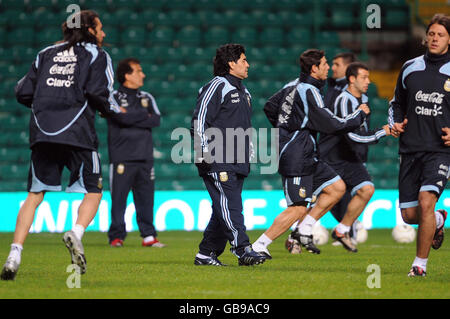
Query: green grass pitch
column 169, row 273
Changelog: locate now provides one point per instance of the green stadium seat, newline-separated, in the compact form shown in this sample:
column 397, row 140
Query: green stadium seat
column 397, row 18
column 112, row 35
column 271, row 36
column 48, row 36
column 248, row 36
column 134, row 35
column 162, row 36
column 216, row 36
column 44, row 18
column 329, row 38
column 299, row 36
column 20, row 5
column 180, row 18
column 342, row 18
column 24, row 36
column 188, row 35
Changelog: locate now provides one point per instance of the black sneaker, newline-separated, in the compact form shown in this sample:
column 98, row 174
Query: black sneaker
column 251, row 257
column 345, row 240
column 306, row 241
column 439, row 233
column 209, row 261
column 416, row 271
column 9, row 270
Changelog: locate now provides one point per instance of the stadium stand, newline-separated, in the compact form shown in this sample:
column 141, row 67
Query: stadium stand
column 175, row 41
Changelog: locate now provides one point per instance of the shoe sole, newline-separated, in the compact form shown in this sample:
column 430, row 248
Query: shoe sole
column 78, row 258
column 252, row 263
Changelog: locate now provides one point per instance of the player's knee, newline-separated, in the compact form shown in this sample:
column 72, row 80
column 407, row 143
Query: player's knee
column 427, row 202
column 366, row 192
column 338, row 188
column 409, row 215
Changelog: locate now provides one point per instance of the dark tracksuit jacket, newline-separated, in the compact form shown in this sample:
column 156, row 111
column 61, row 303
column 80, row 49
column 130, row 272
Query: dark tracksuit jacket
column 301, row 116
column 130, row 146
column 64, row 87
column 352, row 146
column 223, row 105
column 422, row 96
column 335, row 88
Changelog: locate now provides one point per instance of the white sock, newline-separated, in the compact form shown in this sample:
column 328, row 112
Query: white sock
column 342, row 229
column 305, row 227
column 421, row 262
column 78, row 230
column 263, row 240
column 439, row 219
column 16, row 252
column 201, row 256
column 149, row 238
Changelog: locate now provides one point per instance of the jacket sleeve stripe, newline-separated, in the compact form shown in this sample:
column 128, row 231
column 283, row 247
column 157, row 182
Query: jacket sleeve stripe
column 203, row 110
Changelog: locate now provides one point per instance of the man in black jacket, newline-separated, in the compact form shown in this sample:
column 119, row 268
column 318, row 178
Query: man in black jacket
column 347, row 153
column 130, row 147
column 64, row 87
column 221, row 127
column 301, row 115
column 419, row 114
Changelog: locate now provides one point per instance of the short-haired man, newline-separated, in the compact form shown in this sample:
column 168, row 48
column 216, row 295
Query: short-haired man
column 64, row 87
column 419, row 114
column 130, row 146
column 223, row 106
column 338, row 81
column 301, row 115
column 347, row 153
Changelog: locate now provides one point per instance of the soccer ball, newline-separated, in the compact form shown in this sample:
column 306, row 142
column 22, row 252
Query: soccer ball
column 320, row 234
column 404, row 234
column 361, row 233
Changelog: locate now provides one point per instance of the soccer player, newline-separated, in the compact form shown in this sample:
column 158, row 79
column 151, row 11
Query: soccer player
column 301, row 115
column 66, row 83
column 347, row 153
column 223, row 108
column 338, row 81
column 130, row 148
column 419, row 114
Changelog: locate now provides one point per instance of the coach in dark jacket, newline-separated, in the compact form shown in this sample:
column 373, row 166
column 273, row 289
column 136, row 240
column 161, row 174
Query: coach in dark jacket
column 223, row 110
column 130, row 146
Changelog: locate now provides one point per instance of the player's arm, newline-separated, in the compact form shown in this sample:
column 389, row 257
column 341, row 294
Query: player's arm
column 344, row 107
column 397, row 108
column 25, row 87
column 272, row 107
column 323, row 120
column 209, row 102
column 99, row 86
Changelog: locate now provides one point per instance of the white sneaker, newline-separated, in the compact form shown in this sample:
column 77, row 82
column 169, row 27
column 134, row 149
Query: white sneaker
column 76, row 250
column 262, row 250
column 10, row 269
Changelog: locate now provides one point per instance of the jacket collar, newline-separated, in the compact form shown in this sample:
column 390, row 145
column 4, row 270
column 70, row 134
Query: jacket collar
column 306, row 78
column 128, row 91
column 234, row 81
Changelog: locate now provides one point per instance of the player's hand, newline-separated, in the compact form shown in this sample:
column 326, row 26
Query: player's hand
column 398, row 128
column 365, row 108
column 446, row 136
column 387, row 130
column 123, row 110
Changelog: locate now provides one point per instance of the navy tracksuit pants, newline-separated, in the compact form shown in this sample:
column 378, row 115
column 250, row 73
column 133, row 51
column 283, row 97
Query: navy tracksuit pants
column 227, row 219
column 137, row 177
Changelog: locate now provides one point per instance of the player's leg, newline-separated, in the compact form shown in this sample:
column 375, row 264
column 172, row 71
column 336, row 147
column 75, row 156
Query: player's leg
column 328, row 189
column 297, row 191
column 85, row 178
column 44, row 175
column 144, row 194
column 120, row 181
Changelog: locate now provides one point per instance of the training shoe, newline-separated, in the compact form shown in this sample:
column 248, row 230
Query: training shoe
column 345, row 240
column 10, row 269
column 209, row 261
column 293, row 245
column 262, row 250
column 306, row 241
column 251, row 257
column 416, row 271
column 76, row 250
column 153, row 243
column 438, row 238
column 117, row 243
